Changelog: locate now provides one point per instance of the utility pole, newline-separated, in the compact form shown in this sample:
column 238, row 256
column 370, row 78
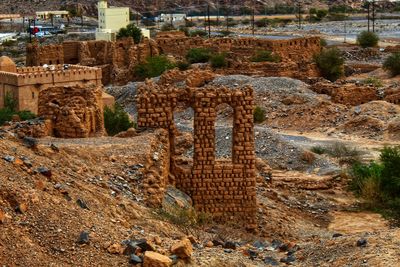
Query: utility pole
column 209, row 22
column 227, row 18
column 373, row 16
column 345, row 20
column 299, row 10
column 252, row 18
column 368, row 15
column 218, row 13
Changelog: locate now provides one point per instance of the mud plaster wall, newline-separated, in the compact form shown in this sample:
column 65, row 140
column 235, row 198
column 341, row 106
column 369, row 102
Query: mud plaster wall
column 227, row 190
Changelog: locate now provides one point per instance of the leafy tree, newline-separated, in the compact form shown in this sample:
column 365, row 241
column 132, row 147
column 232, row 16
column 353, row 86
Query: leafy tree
column 367, row 39
column 330, row 63
column 198, row 55
column 130, row 31
column 392, row 64
column 116, row 120
column 153, row 67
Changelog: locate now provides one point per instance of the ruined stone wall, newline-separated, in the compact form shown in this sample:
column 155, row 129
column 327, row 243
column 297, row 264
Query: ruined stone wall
column 227, row 190
column 296, row 49
column 116, row 59
column 74, row 111
column 392, row 95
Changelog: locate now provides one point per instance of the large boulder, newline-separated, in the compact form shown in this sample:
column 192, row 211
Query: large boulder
column 154, row 259
column 183, row 249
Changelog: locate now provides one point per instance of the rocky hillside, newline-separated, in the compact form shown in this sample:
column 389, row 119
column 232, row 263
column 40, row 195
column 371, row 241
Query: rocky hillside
column 89, row 6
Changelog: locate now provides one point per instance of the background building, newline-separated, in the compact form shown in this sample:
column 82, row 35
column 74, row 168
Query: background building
column 111, row 20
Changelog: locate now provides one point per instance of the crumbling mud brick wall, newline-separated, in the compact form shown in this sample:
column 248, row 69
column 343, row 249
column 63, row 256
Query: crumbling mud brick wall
column 227, row 190
column 296, row 49
column 392, row 95
column 116, row 59
column 74, row 111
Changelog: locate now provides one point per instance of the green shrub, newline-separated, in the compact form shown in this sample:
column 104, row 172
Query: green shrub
column 330, row 63
column 392, row 64
column 323, row 42
column 225, row 33
column 189, row 23
column 373, row 81
column 265, row 56
column 218, row 61
column 259, row 114
column 9, row 110
column 367, row 39
column 153, row 67
column 318, row 150
column 344, row 153
column 9, row 43
column 185, row 30
column 378, row 183
column 116, row 120
column 166, row 27
column 198, row 55
column 200, row 33
column 130, row 31
column 183, row 65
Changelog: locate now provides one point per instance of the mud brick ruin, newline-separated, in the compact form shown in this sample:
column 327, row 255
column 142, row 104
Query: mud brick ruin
column 70, row 98
column 118, row 59
column 226, row 189
column 115, row 59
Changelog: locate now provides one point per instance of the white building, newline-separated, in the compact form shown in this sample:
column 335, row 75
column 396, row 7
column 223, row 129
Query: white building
column 111, row 20
column 173, row 17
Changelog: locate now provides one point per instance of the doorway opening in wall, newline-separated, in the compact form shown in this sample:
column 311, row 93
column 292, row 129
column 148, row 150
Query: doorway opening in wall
column 184, row 138
column 224, row 131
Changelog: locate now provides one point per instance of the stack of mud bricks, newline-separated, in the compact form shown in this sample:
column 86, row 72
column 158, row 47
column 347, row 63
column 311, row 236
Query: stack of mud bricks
column 226, row 190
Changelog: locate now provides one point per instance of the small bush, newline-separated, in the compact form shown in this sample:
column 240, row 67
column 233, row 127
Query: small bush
column 225, row 33
column 189, row 23
column 345, row 154
column 378, row 183
column 330, row 63
column 130, row 31
column 367, row 39
column 153, row 67
column 198, row 55
column 167, row 27
column 9, row 43
column 318, row 150
column 373, row 81
column 200, row 33
column 259, row 114
column 218, row 61
column 265, row 56
column 9, row 110
column 323, row 42
column 116, row 120
column 185, row 30
column 182, row 65
column 392, row 64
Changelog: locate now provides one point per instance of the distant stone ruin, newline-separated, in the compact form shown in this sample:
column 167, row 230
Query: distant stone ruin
column 226, row 189
column 118, row 59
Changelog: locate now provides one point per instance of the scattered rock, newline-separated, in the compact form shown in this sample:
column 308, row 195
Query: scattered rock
column 335, row 235
column 230, row 245
column 21, row 208
column 154, row 259
column 271, row 261
column 289, row 259
column 227, row 250
column 362, row 242
column 30, row 142
column 83, row 238
column 82, row 204
column 44, row 171
column 115, row 249
column 183, row 249
column 2, row 217
column 209, row 244
column 134, row 245
column 9, row 158
column 134, row 259
column 54, row 148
